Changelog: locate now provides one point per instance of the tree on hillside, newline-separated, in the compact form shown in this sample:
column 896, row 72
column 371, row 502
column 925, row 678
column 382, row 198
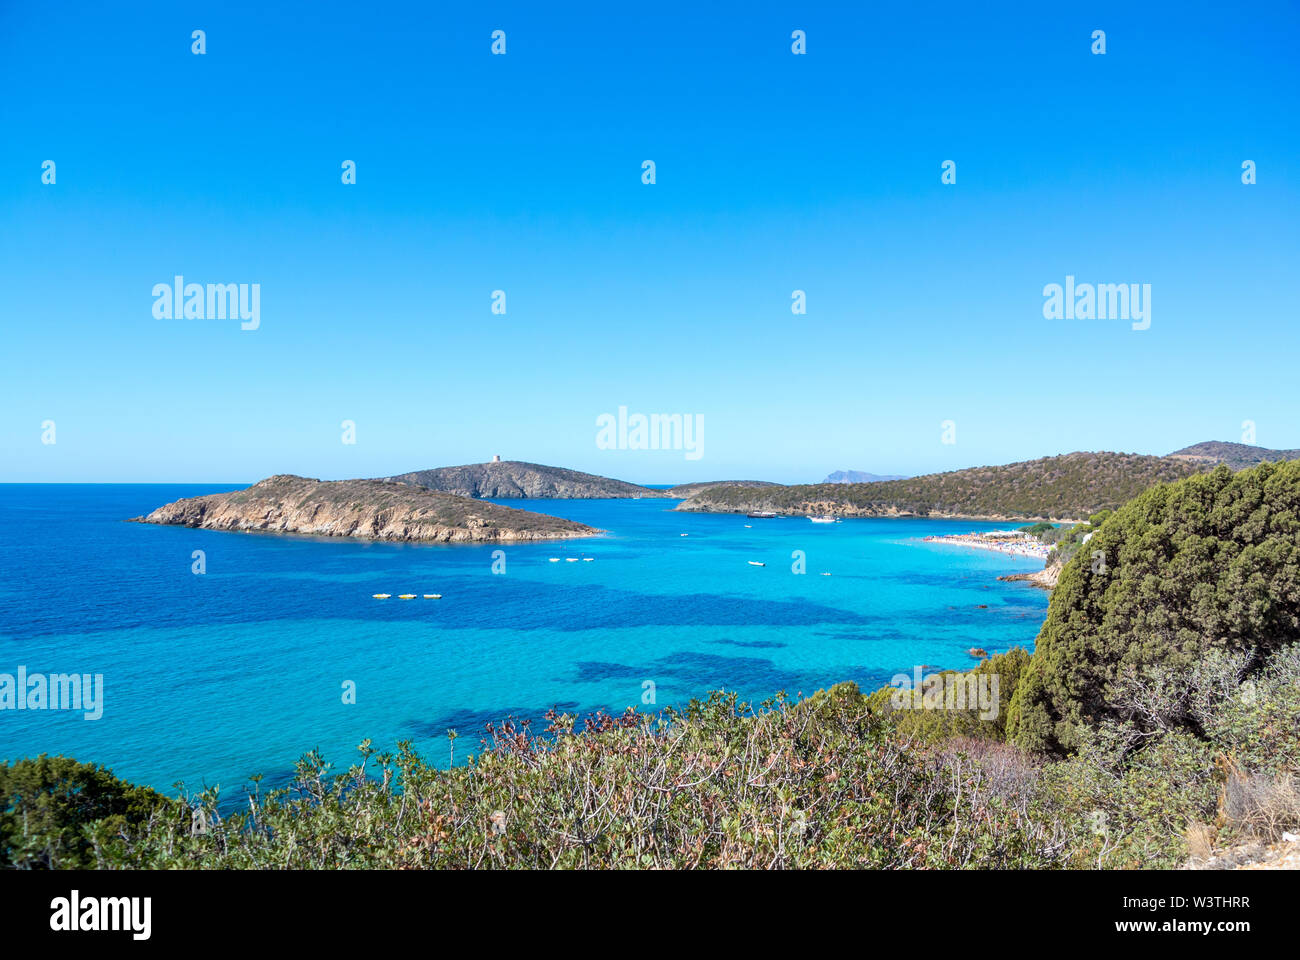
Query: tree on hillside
column 1210, row 562
column 46, row 803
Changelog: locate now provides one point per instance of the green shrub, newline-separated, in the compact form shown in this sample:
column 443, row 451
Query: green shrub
column 1037, row 529
column 47, row 804
column 1210, row 562
column 942, row 723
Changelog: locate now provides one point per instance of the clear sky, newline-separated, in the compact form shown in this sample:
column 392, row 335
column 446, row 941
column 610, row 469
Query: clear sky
column 523, row 173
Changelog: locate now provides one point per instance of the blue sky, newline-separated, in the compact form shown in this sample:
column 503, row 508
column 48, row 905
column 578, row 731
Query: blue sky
column 522, row 173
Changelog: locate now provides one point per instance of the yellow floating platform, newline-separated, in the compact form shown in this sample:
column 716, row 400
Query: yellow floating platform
column 381, row 596
column 406, row 596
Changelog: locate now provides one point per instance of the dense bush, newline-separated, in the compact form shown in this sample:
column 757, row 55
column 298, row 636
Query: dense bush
column 46, row 803
column 938, row 724
column 1210, row 562
column 819, row 783
column 1040, row 529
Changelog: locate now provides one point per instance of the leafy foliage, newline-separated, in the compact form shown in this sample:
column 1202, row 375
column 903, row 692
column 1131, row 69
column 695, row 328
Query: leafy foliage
column 937, row 725
column 1211, row 562
column 1039, row 529
column 46, row 802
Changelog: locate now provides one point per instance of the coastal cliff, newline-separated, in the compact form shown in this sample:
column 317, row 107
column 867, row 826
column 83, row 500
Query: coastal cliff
column 514, row 479
column 362, row 509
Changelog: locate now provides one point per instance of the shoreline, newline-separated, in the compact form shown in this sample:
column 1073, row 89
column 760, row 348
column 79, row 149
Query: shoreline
column 840, row 512
column 1015, row 545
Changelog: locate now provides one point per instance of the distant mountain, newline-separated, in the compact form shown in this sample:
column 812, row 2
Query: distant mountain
column 361, row 509
column 857, row 476
column 1068, row 487
column 1238, row 456
column 511, row 479
column 691, row 489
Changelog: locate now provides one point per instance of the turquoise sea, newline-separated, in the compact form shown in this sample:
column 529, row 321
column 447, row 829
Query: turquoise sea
column 211, row 678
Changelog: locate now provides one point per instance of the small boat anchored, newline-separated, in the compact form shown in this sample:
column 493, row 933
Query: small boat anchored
column 822, row 519
column 755, row 563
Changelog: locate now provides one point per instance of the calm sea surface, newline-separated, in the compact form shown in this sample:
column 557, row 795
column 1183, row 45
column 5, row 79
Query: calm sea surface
column 210, row 679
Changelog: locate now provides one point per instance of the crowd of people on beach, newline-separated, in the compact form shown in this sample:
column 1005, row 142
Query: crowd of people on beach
column 1003, row 541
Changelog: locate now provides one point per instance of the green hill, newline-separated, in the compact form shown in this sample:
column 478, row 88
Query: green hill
column 515, row 479
column 1072, row 486
column 1237, row 456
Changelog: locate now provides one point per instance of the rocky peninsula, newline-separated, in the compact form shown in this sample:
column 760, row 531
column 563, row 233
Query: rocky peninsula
column 363, row 510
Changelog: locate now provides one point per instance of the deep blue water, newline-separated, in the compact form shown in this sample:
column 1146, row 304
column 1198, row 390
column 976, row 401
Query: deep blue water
column 210, row 679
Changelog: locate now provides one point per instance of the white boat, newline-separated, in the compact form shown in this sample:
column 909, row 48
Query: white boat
column 571, row 559
column 755, row 563
column 555, row 559
column 822, row 519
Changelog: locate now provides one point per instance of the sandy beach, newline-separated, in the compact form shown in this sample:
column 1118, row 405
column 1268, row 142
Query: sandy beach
column 1002, row 541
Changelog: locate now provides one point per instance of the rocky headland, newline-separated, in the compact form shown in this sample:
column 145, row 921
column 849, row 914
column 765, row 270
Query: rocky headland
column 363, row 510
column 1045, row 578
